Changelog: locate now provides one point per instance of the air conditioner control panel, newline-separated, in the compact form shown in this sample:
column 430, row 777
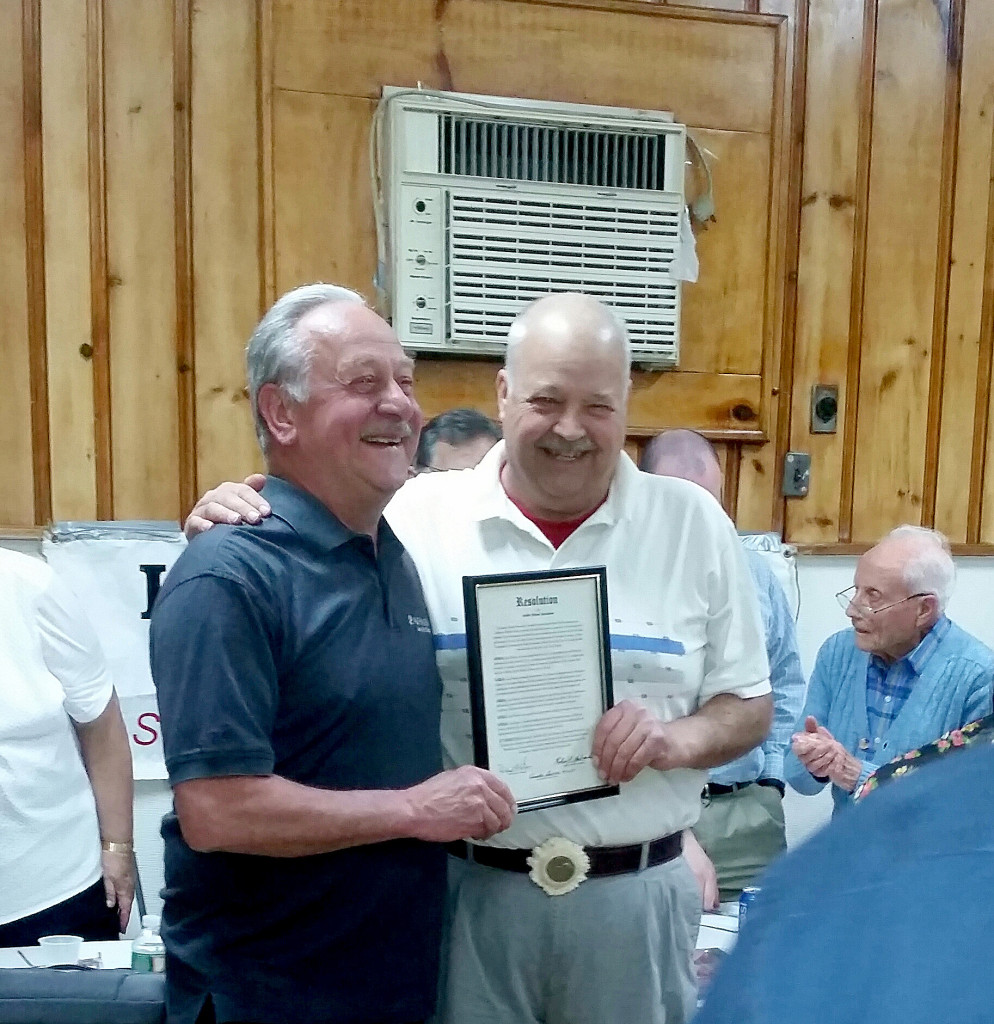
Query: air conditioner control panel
column 419, row 296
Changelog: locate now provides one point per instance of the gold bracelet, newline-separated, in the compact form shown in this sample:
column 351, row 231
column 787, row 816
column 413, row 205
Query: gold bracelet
column 109, row 847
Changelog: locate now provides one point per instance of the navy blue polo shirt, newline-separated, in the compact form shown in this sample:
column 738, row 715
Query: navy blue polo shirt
column 295, row 648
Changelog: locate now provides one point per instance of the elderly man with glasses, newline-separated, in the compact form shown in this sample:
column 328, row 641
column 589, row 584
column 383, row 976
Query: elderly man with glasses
column 903, row 675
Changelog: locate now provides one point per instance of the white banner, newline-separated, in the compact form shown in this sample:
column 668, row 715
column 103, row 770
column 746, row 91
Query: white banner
column 116, row 569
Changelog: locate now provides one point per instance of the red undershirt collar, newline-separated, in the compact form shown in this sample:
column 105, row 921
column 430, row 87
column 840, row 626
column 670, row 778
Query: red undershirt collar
column 555, row 530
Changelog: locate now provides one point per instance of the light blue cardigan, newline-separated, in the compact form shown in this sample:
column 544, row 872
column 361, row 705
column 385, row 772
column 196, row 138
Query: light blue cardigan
column 955, row 687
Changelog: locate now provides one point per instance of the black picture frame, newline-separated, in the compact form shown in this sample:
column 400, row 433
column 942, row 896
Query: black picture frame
column 481, row 746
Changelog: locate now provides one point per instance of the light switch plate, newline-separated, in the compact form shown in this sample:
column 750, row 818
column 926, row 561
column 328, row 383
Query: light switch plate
column 796, row 474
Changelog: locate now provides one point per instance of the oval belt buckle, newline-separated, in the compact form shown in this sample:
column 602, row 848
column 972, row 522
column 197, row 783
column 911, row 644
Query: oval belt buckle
column 558, row 865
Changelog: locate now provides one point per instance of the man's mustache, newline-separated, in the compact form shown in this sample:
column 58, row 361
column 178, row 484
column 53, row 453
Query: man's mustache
column 555, row 446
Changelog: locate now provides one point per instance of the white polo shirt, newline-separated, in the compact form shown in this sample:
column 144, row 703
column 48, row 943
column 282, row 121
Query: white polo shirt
column 684, row 620
column 51, row 668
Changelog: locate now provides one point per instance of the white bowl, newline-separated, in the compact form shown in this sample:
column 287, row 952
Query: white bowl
column 59, row 949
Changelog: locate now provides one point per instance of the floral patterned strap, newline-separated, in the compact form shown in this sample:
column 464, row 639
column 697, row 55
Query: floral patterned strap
column 980, row 731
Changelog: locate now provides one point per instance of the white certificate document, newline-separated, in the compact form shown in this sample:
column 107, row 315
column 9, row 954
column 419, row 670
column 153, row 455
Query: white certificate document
column 540, row 680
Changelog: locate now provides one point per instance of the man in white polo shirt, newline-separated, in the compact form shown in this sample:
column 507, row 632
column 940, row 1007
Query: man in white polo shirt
column 690, row 678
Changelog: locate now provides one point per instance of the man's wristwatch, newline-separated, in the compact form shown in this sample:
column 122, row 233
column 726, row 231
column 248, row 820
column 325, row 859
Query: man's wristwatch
column 773, row 784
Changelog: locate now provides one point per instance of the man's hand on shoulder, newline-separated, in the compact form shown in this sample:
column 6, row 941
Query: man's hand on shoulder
column 229, row 503
column 463, row 803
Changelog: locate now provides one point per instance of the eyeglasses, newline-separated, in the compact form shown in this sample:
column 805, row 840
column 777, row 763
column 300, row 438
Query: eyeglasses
column 847, row 597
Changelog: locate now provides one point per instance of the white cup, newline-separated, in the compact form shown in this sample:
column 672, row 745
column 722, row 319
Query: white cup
column 59, row 949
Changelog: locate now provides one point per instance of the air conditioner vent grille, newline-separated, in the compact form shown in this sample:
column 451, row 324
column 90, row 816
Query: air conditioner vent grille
column 502, row 148
column 503, row 253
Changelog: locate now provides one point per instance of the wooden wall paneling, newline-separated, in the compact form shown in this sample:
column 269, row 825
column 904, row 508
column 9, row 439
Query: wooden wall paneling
column 577, row 53
column 323, row 200
column 722, row 316
column 958, row 496
column 264, row 49
column 980, row 523
column 778, row 357
column 17, row 499
column 901, row 250
column 824, row 277
column 67, row 259
column 96, row 160
column 850, row 412
column 186, row 410
column 701, row 401
column 227, row 252
column 758, row 505
column 138, row 61
column 952, row 23
column 731, row 468
column 981, row 463
column 559, row 52
column 34, row 226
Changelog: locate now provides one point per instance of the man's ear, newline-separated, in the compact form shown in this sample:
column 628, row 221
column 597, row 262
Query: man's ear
column 502, row 392
column 929, row 615
column 277, row 410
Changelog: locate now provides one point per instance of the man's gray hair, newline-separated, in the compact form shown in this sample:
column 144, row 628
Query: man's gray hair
column 277, row 354
column 931, row 569
column 610, row 325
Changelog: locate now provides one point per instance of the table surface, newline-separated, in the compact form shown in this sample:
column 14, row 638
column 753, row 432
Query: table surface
column 112, row 954
column 717, row 930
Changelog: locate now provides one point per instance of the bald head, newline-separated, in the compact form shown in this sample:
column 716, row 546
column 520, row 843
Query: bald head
column 562, row 398
column 685, row 454
column 567, row 324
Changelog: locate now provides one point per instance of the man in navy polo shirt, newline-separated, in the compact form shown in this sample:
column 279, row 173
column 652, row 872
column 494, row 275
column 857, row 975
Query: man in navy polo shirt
column 300, row 703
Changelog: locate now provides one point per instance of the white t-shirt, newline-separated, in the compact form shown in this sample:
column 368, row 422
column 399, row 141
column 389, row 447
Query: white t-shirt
column 684, row 620
column 51, row 668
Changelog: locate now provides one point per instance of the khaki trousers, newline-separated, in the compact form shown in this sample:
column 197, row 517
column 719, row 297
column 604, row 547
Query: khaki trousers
column 742, row 832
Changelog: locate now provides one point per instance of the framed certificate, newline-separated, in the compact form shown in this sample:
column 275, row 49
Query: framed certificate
column 540, row 679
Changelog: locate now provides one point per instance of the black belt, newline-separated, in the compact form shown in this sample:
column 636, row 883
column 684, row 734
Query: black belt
column 604, row 860
column 713, row 789
column 717, row 789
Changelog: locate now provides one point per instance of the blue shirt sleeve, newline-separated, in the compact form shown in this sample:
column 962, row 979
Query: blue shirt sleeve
column 215, row 679
column 786, row 677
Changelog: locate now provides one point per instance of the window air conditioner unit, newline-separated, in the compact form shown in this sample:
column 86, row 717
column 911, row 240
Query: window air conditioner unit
column 485, row 203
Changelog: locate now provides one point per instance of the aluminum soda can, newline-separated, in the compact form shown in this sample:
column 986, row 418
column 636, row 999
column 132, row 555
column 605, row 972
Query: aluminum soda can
column 746, row 900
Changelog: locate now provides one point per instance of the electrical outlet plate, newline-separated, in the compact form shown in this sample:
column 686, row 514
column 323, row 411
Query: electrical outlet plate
column 824, row 408
column 796, row 474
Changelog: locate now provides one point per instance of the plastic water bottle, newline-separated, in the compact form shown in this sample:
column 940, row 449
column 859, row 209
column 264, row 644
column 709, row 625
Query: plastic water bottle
column 148, row 952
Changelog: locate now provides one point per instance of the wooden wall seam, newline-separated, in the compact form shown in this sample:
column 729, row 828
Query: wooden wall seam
column 792, row 233
column 778, row 198
column 947, row 205
column 985, row 360
column 99, row 283
column 267, row 183
column 861, row 221
column 34, row 215
column 730, row 484
column 183, row 230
